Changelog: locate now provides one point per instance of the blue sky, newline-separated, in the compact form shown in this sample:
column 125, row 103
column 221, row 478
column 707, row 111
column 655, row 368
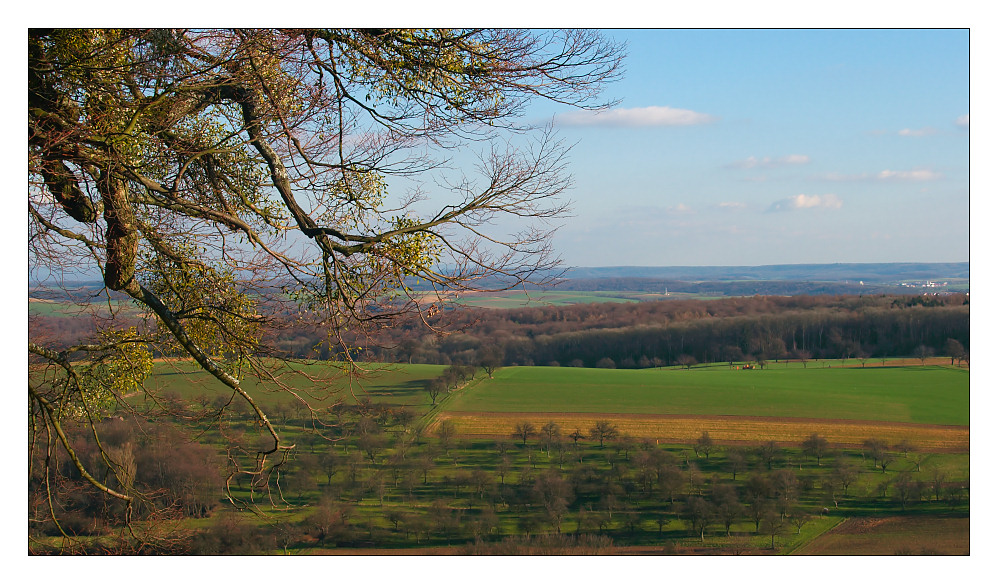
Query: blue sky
column 748, row 147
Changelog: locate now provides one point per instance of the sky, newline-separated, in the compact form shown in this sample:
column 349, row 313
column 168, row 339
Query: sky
column 750, row 147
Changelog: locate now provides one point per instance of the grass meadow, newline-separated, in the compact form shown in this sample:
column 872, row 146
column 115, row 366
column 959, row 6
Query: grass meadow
column 922, row 395
column 319, row 383
column 928, row 406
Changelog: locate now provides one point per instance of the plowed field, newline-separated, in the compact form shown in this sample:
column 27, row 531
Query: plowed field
column 723, row 429
column 894, row 535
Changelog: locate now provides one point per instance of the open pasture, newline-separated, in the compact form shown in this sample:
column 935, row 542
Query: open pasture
column 65, row 309
column 920, row 395
column 320, row 384
column 928, row 406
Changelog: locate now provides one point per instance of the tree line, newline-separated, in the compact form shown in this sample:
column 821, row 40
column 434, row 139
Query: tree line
column 643, row 334
column 678, row 332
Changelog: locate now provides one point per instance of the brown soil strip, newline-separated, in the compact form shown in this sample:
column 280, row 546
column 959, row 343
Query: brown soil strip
column 419, row 551
column 892, row 535
column 668, row 428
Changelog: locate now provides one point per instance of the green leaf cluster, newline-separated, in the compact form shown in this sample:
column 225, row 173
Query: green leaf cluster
column 118, row 369
column 218, row 317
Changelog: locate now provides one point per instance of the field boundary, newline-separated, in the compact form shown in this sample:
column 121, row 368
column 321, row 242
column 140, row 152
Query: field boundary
column 801, row 548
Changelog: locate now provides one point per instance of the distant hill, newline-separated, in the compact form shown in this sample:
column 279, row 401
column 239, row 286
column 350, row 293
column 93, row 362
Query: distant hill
column 770, row 280
column 726, row 288
column 782, row 280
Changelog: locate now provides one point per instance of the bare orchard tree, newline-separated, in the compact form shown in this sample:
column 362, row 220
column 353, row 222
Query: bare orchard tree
column 771, row 524
column 550, row 435
column 736, row 461
column 602, row 431
column 955, row 351
column 922, row 353
column 523, row 430
column 231, row 182
column 815, row 446
column 699, row 514
column 434, row 387
column 687, row 361
column 703, row 445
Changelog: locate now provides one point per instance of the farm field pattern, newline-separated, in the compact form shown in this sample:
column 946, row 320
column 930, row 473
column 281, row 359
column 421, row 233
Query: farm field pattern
column 846, row 403
column 929, row 406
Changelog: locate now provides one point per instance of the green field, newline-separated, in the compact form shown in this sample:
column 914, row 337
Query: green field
column 66, row 309
column 317, row 383
column 925, row 395
column 909, row 394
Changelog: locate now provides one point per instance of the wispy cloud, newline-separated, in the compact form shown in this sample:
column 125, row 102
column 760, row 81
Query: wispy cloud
column 637, row 117
column 803, row 202
column 914, row 175
column 768, row 162
column 917, row 133
column 963, row 121
column 917, row 175
column 732, row 206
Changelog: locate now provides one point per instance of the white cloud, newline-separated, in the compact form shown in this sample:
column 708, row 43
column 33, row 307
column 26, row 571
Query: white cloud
column 801, row 202
column 913, row 175
column 963, row 121
column 768, row 162
column 918, row 175
column 681, row 208
column 795, row 159
column 917, row 133
column 732, row 205
column 635, row 117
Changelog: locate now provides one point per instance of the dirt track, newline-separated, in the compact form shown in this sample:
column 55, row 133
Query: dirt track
column 723, row 429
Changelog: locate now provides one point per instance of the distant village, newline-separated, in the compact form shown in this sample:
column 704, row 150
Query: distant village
column 921, row 285
column 927, row 284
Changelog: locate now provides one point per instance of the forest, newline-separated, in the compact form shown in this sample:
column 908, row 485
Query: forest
column 668, row 332
column 641, row 334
